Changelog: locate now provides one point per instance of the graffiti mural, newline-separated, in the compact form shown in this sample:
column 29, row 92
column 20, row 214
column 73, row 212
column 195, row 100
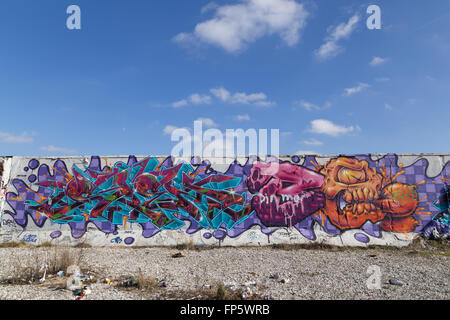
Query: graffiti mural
column 144, row 192
column 285, row 194
column 356, row 199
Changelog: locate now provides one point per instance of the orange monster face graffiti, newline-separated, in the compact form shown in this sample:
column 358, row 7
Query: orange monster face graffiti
column 355, row 194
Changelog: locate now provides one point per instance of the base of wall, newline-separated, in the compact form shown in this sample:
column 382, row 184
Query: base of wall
column 204, row 238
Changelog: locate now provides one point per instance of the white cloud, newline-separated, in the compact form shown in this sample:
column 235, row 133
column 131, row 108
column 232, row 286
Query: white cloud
column 327, row 127
column 387, row 106
column 376, row 61
column 169, row 129
column 7, row 137
column 199, row 99
column 234, row 27
column 259, row 99
column 310, row 106
column 221, row 93
column 53, row 149
column 180, row 103
column 313, row 142
column 360, row 87
column 194, row 98
column 209, row 7
column 331, row 48
column 207, row 122
column 242, row 117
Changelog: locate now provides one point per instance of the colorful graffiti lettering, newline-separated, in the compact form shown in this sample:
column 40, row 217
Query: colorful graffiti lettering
column 142, row 192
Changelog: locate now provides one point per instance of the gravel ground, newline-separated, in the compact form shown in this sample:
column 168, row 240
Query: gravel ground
column 302, row 273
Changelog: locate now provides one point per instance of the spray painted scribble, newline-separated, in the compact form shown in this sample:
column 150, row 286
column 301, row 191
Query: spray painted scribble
column 258, row 202
column 138, row 192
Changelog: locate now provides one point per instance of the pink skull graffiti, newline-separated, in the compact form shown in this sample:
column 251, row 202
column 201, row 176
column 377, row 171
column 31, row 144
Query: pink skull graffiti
column 285, row 193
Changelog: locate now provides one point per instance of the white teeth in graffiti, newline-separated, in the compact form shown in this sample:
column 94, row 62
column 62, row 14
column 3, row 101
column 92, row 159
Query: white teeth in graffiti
column 348, row 197
column 360, row 195
column 355, row 195
column 360, row 208
column 366, row 193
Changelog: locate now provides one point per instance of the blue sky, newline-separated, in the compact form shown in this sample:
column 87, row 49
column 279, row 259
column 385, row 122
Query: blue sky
column 138, row 69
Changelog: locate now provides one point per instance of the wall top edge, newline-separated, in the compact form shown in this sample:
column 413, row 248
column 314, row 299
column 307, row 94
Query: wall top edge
column 227, row 157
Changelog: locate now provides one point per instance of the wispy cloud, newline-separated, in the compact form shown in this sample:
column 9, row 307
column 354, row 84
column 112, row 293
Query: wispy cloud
column 387, row 106
column 223, row 95
column 207, row 122
column 169, row 129
column 234, row 27
column 195, row 99
column 209, row 7
column 180, row 103
column 312, row 142
column 351, row 91
column 321, row 126
column 383, row 79
column 376, row 61
column 330, row 48
column 311, row 106
column 242, row 117
column 53, row 149
column 7, row 137
column 258, row 99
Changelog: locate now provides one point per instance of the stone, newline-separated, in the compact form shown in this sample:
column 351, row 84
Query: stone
column 395, row 282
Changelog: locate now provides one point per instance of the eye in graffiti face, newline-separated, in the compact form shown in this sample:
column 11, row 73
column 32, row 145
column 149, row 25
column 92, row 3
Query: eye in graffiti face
column 147, row 184
column 285, row 193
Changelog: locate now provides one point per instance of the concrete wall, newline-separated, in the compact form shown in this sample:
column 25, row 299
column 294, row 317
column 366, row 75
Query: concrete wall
column 139, row 201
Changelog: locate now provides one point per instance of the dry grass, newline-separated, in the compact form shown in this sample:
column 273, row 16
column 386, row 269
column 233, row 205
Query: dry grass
column 13, row 244
column 49, row 262
column 141, row 282
column 21, row 244
column 217, row 292
column 82, row 245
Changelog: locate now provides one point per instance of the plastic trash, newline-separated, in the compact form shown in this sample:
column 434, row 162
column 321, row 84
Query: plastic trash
column 231, row 285
column 60, row 273
column 41, row 280
column 164, row 284
column 73, row 269
column 82, row 292
column 74, row 283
